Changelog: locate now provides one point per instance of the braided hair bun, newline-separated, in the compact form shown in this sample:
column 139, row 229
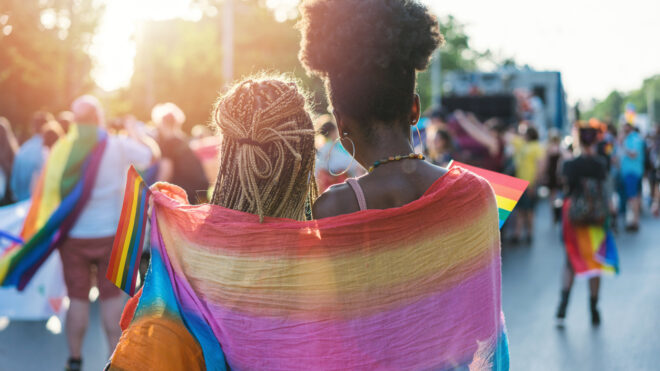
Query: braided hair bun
column 267, row 154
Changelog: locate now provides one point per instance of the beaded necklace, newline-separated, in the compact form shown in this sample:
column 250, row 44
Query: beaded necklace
column 412, row 156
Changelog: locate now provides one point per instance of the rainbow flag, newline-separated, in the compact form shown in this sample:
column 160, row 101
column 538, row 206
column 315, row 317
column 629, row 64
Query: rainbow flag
column 508, row 189
column 127, row 248
column 410, row 288
column 63, row 190
column 591, row 249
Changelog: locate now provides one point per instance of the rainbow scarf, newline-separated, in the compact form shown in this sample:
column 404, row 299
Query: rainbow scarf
column 63, row 190
column 591, row 250
column 415, row 287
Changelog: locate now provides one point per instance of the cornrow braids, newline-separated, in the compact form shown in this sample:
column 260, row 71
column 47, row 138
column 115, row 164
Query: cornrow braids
column 267, row 154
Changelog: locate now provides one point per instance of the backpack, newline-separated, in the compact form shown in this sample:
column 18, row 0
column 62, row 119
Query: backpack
column 589, row 203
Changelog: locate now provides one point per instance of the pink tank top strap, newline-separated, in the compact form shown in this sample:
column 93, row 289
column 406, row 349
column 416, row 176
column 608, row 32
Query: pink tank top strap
column 362, row 202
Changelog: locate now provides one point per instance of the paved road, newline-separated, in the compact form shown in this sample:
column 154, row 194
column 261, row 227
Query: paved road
column 628, row 339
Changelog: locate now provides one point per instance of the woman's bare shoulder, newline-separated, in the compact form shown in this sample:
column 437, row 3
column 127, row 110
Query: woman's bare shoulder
column 337, row 200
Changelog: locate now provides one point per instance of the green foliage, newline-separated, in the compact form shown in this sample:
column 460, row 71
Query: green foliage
column 181, row 61
column 43, row 60
column 612, row 107
column 456, row 54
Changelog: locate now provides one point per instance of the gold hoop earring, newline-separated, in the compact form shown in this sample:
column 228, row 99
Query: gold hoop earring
column 352, row 155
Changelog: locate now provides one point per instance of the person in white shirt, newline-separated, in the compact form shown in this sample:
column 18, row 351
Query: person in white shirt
column 90, row 239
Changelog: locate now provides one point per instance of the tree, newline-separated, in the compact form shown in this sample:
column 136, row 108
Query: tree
column 180, row 61
column 456, row 54
column 43, row 59
column 611, row 108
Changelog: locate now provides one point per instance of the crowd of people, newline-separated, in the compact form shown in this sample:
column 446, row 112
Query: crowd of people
column 618, row 161
column 631, row 159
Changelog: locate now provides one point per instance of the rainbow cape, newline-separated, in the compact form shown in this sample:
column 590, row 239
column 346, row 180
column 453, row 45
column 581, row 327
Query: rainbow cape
column 63, row 190
column 415, row 287
column 508, row 189
column 591, row 250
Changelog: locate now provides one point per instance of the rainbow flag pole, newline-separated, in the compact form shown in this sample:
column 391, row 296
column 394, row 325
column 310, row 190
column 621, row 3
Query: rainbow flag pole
column 127, row 247
column 508, row 189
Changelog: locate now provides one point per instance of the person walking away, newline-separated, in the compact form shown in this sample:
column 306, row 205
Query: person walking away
column 91, row 237
column 8, row 148
column 632, row 170
column 589, row 245
column 528, row 159
column 179, row 164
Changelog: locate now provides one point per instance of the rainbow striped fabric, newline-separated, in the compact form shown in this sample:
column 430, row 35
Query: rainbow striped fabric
column 415, row 287
column 591, row 250
column 63, row 190
column 127, row 248
column 508, row 189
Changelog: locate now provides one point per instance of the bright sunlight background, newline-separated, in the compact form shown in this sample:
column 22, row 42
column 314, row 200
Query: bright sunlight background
column 598, row 45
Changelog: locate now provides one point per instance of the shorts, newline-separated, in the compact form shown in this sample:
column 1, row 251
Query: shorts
column 631, row 185
column 79, row 255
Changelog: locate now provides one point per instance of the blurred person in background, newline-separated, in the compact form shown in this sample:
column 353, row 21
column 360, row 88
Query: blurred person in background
column 632, row 171
column 528, row 159
column 489, row 137
column 65, row 118
column 608, row 148
column 179, row 164
column 30, row 158
column 653, row 145
column 51, row 133
column 553, row 163
column 440, row 146
column 584, row 217
column 206, row 147
column 90, row 240
column 333, row 163
column 8, row 149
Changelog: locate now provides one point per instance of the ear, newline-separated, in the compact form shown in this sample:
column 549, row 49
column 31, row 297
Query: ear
column 415, row 111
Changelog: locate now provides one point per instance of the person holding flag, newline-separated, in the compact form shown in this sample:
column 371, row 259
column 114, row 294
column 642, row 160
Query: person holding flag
column 75, row 208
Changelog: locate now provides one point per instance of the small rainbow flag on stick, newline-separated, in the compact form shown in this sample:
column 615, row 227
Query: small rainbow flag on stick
column 508, row 189
column 127, row 248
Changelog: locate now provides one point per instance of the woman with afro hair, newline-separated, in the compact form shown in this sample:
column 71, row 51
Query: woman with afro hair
column 368, row 53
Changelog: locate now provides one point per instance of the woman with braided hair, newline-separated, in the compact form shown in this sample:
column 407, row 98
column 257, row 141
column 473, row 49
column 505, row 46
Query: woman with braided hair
column 267, row 160
column 267, row 153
